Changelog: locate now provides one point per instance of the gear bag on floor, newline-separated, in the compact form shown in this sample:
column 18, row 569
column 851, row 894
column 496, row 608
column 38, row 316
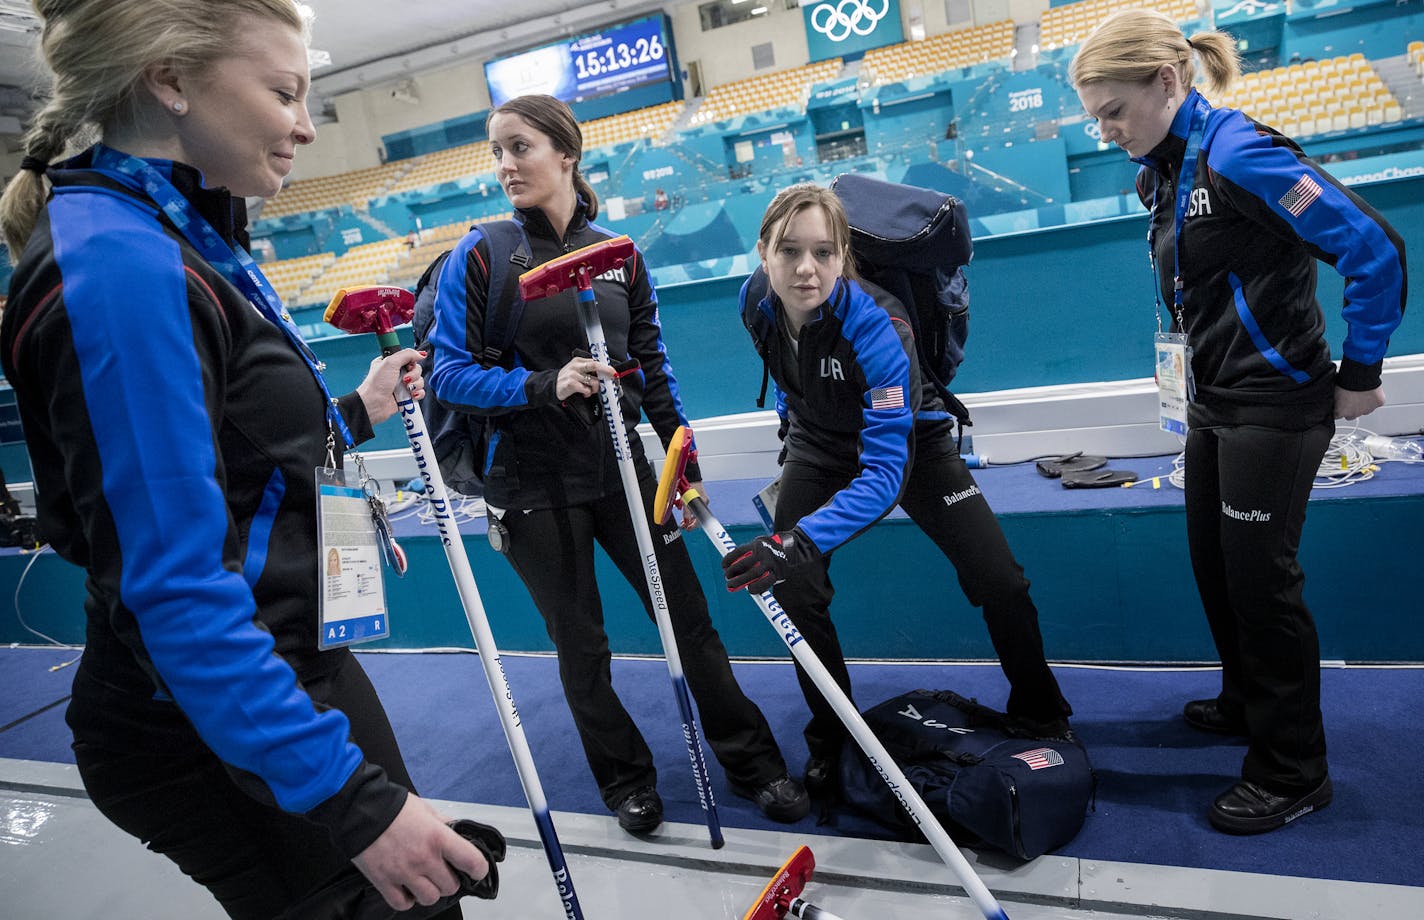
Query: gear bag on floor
column 983, row 780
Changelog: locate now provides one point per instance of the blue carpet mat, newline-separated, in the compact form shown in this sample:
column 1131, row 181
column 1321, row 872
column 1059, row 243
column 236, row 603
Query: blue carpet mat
column 1156, row 775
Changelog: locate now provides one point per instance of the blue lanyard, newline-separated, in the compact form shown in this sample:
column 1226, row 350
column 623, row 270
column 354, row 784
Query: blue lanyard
column 232, row 261
column 1186, row 178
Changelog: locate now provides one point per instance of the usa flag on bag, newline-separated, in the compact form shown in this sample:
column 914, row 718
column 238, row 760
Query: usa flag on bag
column 1041, row 758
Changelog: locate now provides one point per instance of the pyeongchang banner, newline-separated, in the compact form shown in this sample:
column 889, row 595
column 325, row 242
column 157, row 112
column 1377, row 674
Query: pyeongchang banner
column 847, row 28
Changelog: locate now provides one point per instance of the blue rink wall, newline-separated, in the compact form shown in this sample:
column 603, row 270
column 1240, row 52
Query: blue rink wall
column 1110, row 572
column 1112, row 581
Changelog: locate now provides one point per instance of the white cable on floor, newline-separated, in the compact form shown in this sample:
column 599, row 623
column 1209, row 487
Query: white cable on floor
column 1347, row 460
column 34, row 557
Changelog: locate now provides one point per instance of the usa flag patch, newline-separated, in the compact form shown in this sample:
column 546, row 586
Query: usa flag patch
column 1301, row 196
column 887, row 398
column 1041, row 758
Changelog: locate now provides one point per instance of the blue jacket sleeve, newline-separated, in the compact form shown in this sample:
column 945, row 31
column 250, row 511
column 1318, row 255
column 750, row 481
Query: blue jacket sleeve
column 162, row 493
column 1275, row 183
column 457, row 378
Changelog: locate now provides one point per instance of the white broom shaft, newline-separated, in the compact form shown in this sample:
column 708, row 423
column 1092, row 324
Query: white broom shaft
column 420, row 445
column 874, row 750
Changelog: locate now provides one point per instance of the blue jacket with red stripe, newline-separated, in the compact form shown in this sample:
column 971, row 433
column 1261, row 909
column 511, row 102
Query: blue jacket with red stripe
column 173, row 432
column 1261, row 214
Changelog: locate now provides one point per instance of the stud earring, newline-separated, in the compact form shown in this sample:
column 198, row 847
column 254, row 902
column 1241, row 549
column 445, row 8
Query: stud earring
column 179, row 106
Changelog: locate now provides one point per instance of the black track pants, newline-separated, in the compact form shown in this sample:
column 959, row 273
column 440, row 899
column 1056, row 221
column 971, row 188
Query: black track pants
column 256, row 860
column 1246, row 493
column 552, row 552
column 942, row 498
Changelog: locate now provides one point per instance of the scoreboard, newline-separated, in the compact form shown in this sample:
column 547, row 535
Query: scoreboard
column 588, row 66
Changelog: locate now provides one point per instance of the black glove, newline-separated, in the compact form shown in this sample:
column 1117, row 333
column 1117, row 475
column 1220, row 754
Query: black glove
column 766, row 561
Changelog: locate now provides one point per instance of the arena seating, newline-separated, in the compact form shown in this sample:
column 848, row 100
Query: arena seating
column 648, row 123
column 444, row 166
column 369, row 263
column 1070, row 24
column 1302, row 99
column 938, row 53
column 765, row 92
column 348, row 188
column 1313, row 97
column 291, row 277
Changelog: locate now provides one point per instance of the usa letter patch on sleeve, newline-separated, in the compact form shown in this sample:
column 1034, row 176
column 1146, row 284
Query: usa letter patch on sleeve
column 1301, row 196
column 887, row 398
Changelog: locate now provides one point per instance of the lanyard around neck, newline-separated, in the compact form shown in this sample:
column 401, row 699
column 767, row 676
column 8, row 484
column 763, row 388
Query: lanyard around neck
column 1186, row 178
column 232, row 262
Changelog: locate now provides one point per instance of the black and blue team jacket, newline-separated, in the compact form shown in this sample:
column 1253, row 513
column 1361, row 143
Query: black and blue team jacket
column 854, row 405
column 543, row 454
column 1261, row 213
column 174, row 434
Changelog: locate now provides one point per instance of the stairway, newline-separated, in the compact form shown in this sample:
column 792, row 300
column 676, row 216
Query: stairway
column 385, row 230
column 1406, row 85
column 1026, row 37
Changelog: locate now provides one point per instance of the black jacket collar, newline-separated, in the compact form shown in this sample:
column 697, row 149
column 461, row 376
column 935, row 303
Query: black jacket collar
column 536, row 221
column 228, row 215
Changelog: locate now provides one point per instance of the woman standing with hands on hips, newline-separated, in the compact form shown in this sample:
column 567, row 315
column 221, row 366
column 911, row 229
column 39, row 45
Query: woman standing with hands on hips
column 551, row 480
column 175, row 421
column 864, row 432
column 1239, row 217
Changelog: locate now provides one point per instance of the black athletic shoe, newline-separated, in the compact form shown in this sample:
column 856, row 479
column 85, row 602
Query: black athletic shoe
column 641, row 811
column 1206, row 716
column 783, row 799
column 1246, row 808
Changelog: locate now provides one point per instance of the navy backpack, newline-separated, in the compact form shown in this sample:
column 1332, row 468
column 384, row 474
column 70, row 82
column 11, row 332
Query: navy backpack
column 984, row 781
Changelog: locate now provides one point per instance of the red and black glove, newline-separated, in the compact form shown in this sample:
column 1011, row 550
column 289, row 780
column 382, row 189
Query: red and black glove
column 766, row 561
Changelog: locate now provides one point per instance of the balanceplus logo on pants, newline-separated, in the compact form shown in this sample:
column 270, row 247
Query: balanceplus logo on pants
column 954, row 498
column 1254, row 516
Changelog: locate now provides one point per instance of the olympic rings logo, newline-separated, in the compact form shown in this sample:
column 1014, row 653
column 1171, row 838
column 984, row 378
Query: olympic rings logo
column 848, row 17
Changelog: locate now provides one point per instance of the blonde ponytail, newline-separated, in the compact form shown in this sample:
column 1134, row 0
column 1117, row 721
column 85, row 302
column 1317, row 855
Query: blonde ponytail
column 24, row 197
column 1130, row 46
column 1219, row 59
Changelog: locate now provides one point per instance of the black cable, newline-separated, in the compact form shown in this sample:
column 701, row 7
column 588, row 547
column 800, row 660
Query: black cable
column 1070, row 456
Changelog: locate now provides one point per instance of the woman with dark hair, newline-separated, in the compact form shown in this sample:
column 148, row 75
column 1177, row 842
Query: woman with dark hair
column 1239, row 216
column 551, row 482
column 175, row 421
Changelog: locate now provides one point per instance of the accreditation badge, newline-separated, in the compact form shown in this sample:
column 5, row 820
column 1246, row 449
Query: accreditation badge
column 1174, row 381
column 352, row 599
